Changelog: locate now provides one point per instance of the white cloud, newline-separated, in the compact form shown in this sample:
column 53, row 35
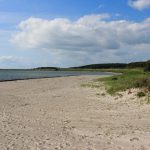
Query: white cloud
column 88, row 33
column 139, row 4
column 89, row 39
column 10, row 62
column 7, row 58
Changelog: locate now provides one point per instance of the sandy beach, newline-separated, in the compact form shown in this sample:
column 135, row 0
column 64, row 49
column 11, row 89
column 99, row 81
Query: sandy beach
column 60, row 114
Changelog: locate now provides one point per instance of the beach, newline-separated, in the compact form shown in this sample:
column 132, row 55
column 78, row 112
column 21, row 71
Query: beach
column 60, row 114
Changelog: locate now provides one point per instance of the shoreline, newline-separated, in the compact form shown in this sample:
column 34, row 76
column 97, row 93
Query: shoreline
column 36, row 78
column 60, row 114
column 77, row 73
column 11, row 80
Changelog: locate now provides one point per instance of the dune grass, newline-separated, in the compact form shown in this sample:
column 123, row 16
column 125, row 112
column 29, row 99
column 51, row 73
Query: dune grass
column 130, row 78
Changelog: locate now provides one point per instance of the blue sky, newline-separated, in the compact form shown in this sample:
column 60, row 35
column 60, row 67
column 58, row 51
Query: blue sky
column 70, row 33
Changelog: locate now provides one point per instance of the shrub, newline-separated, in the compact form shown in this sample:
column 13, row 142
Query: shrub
column 141, row 94
column 143, row 83
column 147, row 67
column 114, row 78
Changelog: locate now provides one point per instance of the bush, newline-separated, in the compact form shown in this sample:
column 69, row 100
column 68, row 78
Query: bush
column 143, row 83
column 114, row 78
column 147, row 67
column 141, row 94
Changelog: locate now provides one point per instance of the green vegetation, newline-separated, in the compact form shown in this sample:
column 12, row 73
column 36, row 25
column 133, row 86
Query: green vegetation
column 147, row 67
column 130, row 78
column 141, row 94
column 131, row 75
column 91, row 85
column 101, row 67
column 47, row 68
column 113, row 66
column 134, row 75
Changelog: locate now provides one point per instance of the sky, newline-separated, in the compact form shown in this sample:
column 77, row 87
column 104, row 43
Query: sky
column 65, row 33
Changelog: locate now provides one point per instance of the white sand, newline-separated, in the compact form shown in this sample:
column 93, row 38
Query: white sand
column 59, row 114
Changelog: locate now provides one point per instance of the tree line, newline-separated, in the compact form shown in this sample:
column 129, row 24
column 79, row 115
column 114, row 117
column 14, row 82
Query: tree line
column 145, row 65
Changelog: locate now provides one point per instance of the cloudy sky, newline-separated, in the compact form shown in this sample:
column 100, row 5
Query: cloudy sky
column 66, row 33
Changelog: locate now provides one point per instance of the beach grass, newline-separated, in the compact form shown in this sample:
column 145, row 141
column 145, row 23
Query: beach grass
column 130, row 78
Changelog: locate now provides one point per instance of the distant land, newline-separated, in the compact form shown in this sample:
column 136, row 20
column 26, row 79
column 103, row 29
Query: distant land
column 140, row 64
column 100, row 66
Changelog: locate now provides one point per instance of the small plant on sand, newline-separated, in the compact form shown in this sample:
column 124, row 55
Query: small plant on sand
column 97, row 94
column 120, row 95
column 103, row 94
column 145, row 84
column 100, row 94
column 91, row 85
column 141, row 94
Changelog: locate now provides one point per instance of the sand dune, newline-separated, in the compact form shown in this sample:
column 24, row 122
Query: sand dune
column 59, row 114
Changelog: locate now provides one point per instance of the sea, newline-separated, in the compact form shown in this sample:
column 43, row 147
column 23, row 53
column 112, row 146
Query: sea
column 10, row 75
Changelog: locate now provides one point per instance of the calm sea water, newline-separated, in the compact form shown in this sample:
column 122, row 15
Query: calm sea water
column 6, row 75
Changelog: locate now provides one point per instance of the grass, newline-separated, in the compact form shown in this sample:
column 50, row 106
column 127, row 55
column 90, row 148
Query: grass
column 130, row 78
column 141, row 94
column 127, row 79
column 91, row 85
